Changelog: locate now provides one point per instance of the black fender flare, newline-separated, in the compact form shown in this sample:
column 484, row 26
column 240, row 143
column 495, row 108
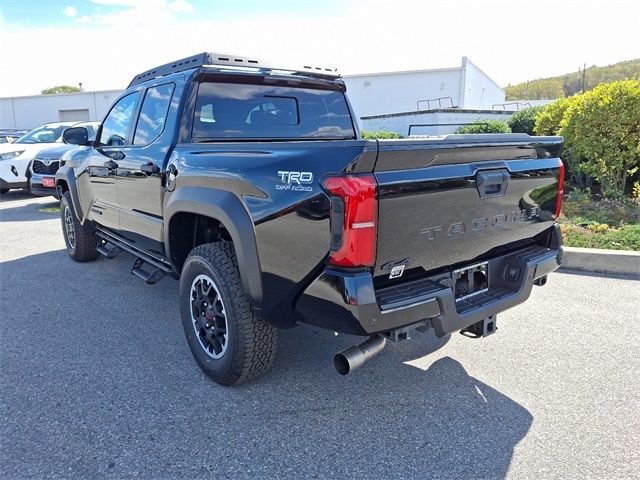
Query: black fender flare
column 226, row 208
column 67, row 175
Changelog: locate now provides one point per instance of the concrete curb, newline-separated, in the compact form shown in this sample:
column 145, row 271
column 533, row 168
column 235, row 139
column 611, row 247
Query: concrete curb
column 621, row 262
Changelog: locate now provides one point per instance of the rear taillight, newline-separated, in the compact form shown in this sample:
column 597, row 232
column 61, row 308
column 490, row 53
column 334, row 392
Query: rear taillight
column 560, row 190
column 354, row 217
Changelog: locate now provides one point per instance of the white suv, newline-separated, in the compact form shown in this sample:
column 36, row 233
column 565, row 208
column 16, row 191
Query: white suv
column 15, row 157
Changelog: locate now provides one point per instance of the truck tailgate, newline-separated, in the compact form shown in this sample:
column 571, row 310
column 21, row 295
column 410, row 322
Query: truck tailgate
column 453, row 200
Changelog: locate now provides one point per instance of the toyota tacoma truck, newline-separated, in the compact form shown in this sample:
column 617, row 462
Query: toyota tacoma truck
column 250, row 184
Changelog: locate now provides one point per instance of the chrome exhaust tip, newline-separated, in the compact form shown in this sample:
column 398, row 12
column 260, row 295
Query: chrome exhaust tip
column 353, row 357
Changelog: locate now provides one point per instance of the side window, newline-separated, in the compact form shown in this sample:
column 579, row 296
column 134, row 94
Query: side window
column 153, row 114
column 116, row 125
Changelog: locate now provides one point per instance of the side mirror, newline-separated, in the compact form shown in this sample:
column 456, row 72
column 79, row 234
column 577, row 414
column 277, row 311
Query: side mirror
column 76, row 136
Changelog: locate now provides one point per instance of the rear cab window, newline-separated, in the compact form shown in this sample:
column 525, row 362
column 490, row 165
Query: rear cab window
column 232, row 111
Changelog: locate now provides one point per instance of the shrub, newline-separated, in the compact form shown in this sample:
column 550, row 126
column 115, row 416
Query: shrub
column 549, row 117
column 380, row 134
column 602, row 128
column 548, row 122
column 524, row 120
column 485, row 126
column 579, row 195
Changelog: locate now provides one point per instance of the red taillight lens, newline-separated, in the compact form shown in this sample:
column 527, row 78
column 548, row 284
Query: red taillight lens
column 354, row 218
column 560, row 190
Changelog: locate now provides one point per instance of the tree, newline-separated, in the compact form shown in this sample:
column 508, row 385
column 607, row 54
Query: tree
column 60, row 89
column 571, row 83
column 541, row 89
column 602, row 127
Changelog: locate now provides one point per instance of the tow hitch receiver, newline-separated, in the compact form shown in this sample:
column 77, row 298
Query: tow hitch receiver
column 484, row 327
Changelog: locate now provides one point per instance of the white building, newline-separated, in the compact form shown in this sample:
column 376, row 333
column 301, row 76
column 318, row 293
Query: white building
column 418, row 102
column 32, row 111
column 426, row 102
column 437, row 121
column 465, row 86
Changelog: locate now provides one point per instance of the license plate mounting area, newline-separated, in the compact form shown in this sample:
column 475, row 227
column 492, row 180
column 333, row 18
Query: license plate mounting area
column 470, row 281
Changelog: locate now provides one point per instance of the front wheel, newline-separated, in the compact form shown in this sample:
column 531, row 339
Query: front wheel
column 229, row 340
column 81, row 240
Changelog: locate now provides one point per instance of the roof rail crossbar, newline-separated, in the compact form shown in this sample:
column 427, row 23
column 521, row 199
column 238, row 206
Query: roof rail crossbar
column 225, row 60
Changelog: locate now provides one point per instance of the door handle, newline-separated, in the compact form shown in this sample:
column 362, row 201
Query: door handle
column 111, row 165
column 492, row 183
column 150, row 168
column 116, row 155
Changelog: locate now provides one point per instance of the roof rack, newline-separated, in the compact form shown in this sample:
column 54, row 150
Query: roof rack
column 224, row 60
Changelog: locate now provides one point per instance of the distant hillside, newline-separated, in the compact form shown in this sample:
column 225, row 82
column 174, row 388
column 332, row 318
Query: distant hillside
column 570, row 83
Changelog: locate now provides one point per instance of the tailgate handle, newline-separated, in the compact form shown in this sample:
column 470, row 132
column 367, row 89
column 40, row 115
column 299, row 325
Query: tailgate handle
column 493, row 183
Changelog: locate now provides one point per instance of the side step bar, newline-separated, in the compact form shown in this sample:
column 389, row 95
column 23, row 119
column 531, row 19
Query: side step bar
column 156, row 269
column 150, row 276
column 109, row 250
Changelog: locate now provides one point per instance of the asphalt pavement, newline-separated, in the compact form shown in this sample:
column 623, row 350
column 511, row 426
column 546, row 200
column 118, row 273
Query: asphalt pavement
column 97, row 381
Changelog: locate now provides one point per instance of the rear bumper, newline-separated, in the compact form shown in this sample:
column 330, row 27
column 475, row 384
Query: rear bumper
column 347, row 302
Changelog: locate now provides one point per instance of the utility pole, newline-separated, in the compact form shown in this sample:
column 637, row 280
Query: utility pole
column 584, row 77
column 579, row 81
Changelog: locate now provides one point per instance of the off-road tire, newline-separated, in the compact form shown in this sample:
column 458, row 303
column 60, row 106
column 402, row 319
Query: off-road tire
column 82, row 248
column 251, row 343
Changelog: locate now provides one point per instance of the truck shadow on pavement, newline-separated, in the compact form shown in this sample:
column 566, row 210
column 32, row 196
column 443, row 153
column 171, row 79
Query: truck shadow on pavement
column 112, row 390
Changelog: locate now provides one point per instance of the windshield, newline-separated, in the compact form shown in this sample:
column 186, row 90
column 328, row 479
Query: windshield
column 44, row 134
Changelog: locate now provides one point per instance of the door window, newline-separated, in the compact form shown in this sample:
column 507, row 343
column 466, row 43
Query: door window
column 153, row 114
column 116, row 126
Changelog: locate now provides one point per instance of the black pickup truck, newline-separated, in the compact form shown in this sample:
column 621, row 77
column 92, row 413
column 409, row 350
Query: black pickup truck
column 251, row 185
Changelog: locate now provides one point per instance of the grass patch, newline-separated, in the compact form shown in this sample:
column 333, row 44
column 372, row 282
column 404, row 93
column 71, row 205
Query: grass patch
column 602, row 223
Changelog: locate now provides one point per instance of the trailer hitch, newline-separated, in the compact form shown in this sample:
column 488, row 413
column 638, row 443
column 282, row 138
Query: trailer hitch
column 483, row 328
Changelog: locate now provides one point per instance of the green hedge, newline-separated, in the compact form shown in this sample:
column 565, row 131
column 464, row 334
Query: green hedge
column 602, row 132
column 380, row 134
column 485, row 126
column 523, row 121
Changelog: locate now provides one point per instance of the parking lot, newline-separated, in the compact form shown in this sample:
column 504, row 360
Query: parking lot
column 96, row 380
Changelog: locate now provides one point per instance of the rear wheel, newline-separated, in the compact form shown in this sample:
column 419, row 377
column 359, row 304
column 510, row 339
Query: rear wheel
column 229, row 341
column 81, row 240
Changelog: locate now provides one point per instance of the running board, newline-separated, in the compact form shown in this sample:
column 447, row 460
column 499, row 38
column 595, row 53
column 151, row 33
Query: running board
column 146, row 267
column 150, row 276
column 109, row 250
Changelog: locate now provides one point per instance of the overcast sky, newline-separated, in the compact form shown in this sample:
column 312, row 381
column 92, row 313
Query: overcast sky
column 104, row 43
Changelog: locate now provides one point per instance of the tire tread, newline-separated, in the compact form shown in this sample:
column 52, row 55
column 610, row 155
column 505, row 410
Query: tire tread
column 261, row 338
column 86, row 239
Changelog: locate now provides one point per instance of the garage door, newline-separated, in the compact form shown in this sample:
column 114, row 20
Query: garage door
column 73, row 115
